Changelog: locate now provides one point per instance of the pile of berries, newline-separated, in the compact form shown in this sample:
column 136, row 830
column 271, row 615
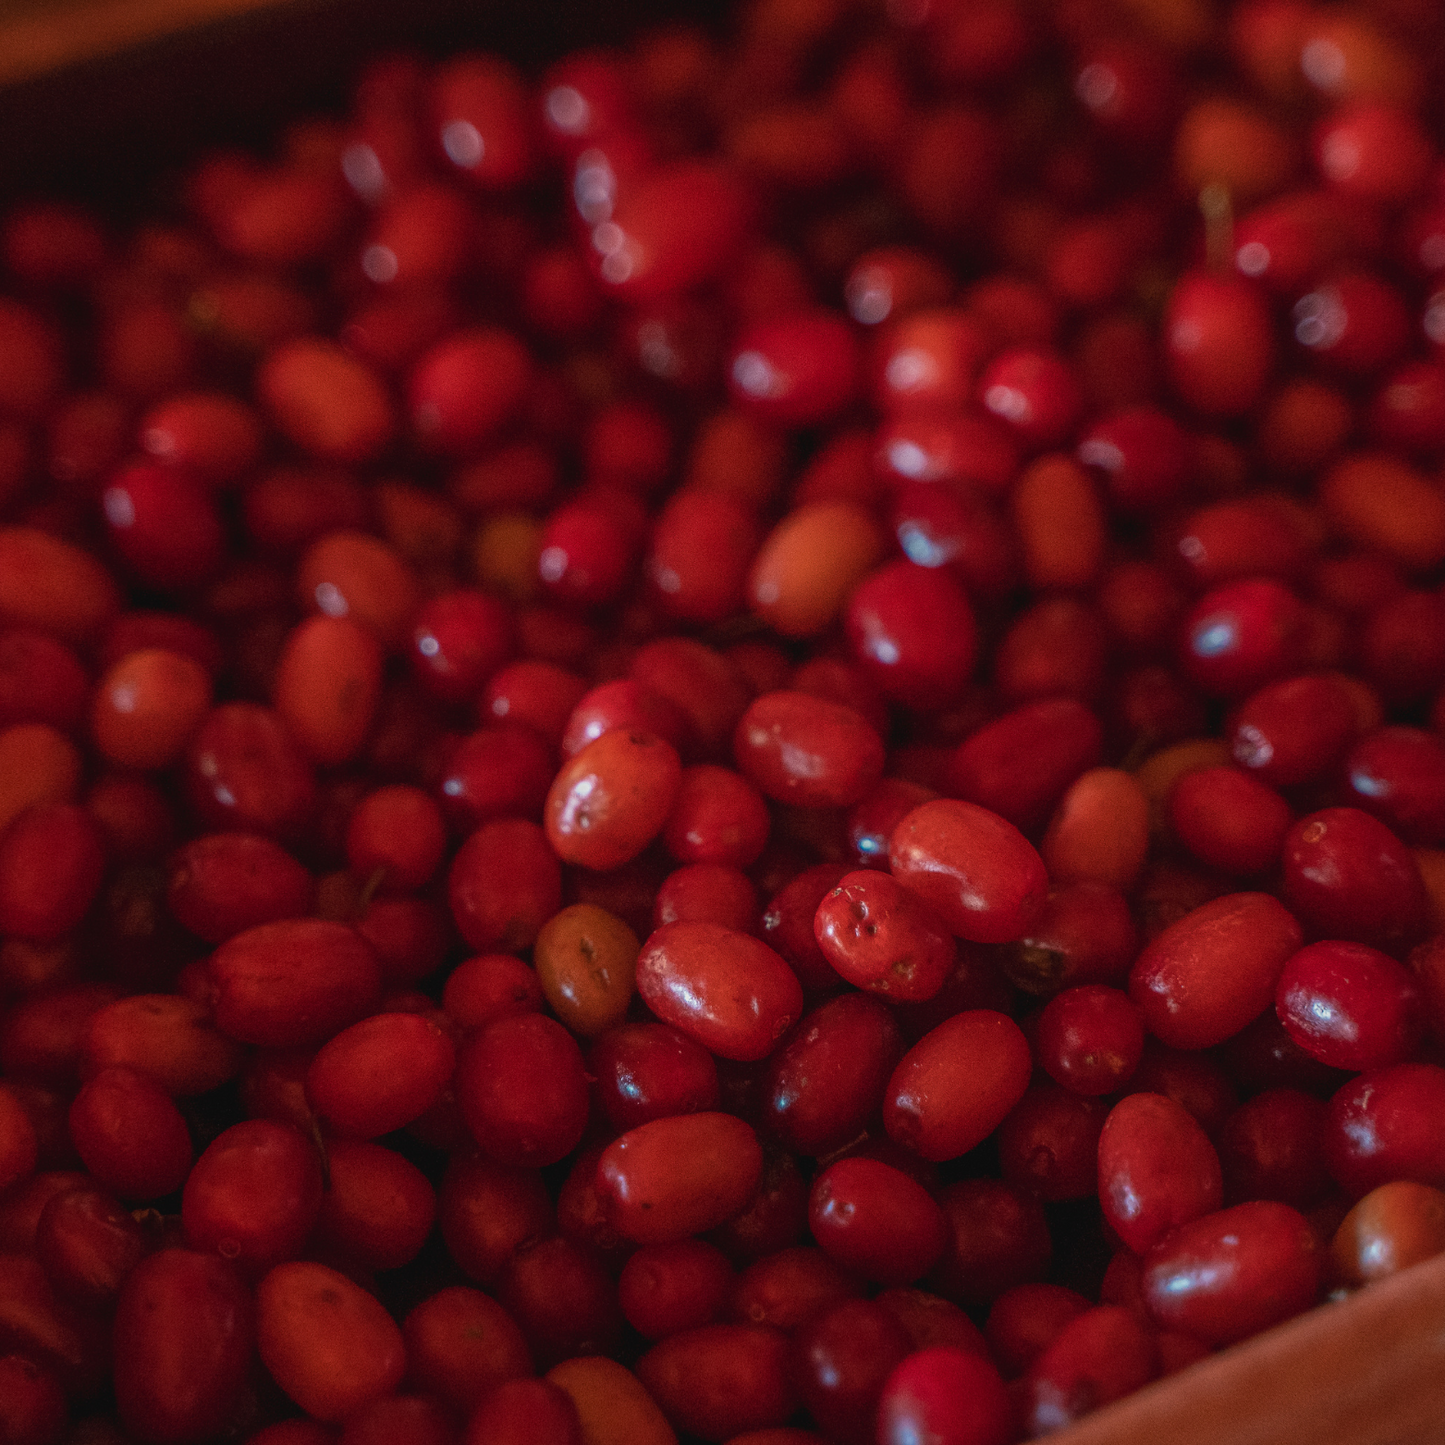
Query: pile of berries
column 742, row 743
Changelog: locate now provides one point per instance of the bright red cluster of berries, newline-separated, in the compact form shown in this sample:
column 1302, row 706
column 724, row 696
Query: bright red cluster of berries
column 744, row 743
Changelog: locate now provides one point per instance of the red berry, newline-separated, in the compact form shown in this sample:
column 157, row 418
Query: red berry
column 1218, row 344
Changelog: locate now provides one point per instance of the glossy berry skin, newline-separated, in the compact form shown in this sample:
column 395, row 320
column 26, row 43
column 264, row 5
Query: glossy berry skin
column 928, row 360
column 588, row 551
column 871, row 822
column 585, row 959
column 1350, row 1006
column 701, row 548
column 539, row 695
column 165, row 526
column 874, row 1221
column 1391, row 1228
column 1348, row 876
column 977, row 871
column 1383, row 1125
column 938, row 527
column 1157, row 1169
column 1218, row 344
column 1083, row 935
column 1263, row 1056
column 965, row 449
column 718, row 816
column 1090, row 1039
column 1352, row 324
column 1228, row 1275
column 957, row 1084
column 1295, row 730
column 1372, row 151
column 354, row 574
column 1241, row 635
column 495, row 772
column 148, row 707
column 1035, row 394
column 707, row 893
column 725, row 990
column 825, row 1081
column 809, row 563
column 883, row 938
column 1099, row 1356
column 912, row 628
column 1206, row 976
column 612, row 798
column 839, row 1361
column 458, row 641
column 479, row 113
column 675, row 1177
column 803, row 750
column 679, row 225
column 327, row 686
column 244, row 771
column 1142, row 454
column 798, row 370
column 646, row 1071
column 1398, row 774
column 1243, row 537
column 624, row 703
column 894, row 280
column 946, row 1394
column 363, row 519
column 787, row 923
column 215, row 436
